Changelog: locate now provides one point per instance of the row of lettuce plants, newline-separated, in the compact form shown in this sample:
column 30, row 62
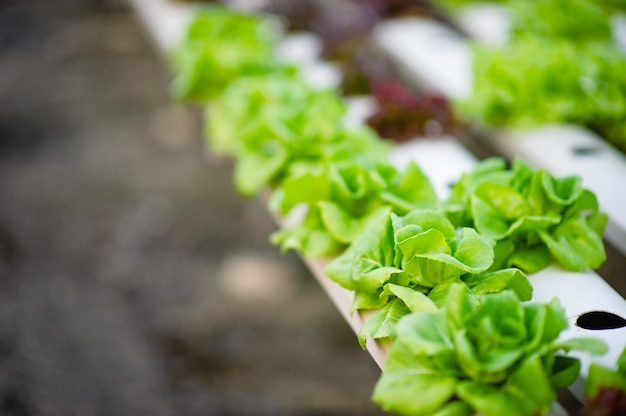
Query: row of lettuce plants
column 446, row 278
column 561, row 63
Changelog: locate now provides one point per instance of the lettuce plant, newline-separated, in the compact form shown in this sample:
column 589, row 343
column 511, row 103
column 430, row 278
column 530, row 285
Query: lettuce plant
column 247, row 100
column 402, row 114
column 403, row 264
column 219, row 46
column 606, row 389
column 342, row 198
column 533, row 80
column 271, row 122
column 452, row 5
column 487, row 354
column 561, row 65
column 577, row 21
column 534, row 217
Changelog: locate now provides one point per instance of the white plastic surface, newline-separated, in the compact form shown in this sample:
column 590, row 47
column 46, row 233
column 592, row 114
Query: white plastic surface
column 432, row 56
column 300, row 48
column 618, row 23
column 443, row 160
column 247, row 5
column 165, row 21
column 322, row 75
column 489, row 23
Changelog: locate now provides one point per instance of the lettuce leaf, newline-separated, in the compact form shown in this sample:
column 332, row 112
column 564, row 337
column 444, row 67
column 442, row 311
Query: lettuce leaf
column 487, row 354
column 351, row 194
column 578, row 21
column 282, row 128
column 415, row 259
column 307, row 237
column 533, row 217
column 219, row 46
column 605, row 388
column 532, row 81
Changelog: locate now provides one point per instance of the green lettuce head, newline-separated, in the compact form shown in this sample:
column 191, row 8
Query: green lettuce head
column 219, row 46
column 344, row 196
column 276, row 126
column 487, row 354
column 534, row 217
column 403, row 264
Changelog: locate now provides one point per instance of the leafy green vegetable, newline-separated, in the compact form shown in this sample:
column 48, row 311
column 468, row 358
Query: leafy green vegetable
column 452, row 5
column 276, row 126
column 531, row 81
column 614, row 5
column 415, row 259
column 221, row 45
column 571, row 20
column 487, row 354
column 532, row 216
column 308, row 236
column 348, row 195
column 561, row 65
column 252, row 111
column 577, row 21
column 601, row 380
column 236, row 111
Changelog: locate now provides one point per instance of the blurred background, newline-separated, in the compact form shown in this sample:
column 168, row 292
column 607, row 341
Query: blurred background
column 133, row 280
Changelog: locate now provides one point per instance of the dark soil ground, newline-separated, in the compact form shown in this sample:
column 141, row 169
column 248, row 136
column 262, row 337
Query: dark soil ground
column 133, row 280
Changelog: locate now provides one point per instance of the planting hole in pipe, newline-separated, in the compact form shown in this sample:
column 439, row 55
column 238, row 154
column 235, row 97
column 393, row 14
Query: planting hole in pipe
column 586, row 151
column 599, row 320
